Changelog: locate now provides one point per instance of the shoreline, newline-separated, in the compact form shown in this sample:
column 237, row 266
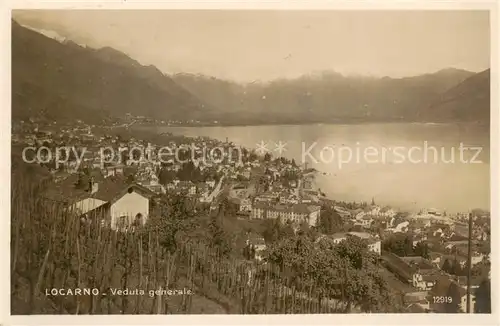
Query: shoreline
column 325, row 175
column 338, row 123
column 403, row 206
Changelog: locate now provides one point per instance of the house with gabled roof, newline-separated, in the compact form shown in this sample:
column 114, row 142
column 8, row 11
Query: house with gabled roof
column 416, row 271
column 116, row 203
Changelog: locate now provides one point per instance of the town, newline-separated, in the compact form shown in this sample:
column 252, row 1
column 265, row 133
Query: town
column 421, row 256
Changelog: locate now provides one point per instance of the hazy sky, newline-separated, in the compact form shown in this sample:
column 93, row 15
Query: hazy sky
column 263, row 45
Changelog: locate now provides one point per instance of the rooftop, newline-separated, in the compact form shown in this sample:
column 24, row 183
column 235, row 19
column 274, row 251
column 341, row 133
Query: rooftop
column 108, row 189
column 296, row 208
column 256, row 241
column 417, row 262
column 362, row 235
column 338, row 235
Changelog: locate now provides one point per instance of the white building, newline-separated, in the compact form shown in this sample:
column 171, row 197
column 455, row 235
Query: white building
column 296, row 213
column 245, row 205
column 423, row 282
column 401, row 227
column 113, row 203
column 128, row 208
column 463, row 302
column 374, row 243
column 338, row 237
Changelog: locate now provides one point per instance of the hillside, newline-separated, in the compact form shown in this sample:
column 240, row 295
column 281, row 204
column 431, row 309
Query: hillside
column 467, row 101
column 67, row 81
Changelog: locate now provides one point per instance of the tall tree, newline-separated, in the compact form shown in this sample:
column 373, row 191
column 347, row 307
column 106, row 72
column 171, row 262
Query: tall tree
column 421, row 249
column 456, row 268
column 345, row 272
column 272, row 230
column 408, row 246
column 287, row 231
column 165, row 176
column 252, row 157
column 446, row 266
column 275, row 230
column 330, row 221
column 219, row 238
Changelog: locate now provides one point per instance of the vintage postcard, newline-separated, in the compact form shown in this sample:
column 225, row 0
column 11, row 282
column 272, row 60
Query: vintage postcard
column 175, row 161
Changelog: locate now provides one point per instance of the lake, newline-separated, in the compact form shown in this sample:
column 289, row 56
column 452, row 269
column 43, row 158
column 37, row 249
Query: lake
column 406, row 165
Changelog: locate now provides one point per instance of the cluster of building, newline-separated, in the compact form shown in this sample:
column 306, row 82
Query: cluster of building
column 373, row 241
column 120, row 193
column 445, row 237
column 296, row 213
column 271, row 193
column 277, row 190
column 121, row 189
column 426, row 281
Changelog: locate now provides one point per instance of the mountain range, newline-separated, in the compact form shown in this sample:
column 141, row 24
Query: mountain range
column 332, row 97
column 59, row 79
column 63, row 80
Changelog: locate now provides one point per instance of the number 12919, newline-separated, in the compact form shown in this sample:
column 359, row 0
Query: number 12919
column 442, row 299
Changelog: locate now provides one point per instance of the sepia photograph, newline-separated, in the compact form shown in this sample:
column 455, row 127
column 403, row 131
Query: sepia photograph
column 250, row 162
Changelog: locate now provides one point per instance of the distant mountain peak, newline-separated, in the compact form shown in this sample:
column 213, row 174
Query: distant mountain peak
column 322, row 74
column 113, row 55
column 81, row 82
column 452, row 70
column 90, row 84
column 73, row 43
column 51, row 34
column 46, row 32
column 468, row 100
